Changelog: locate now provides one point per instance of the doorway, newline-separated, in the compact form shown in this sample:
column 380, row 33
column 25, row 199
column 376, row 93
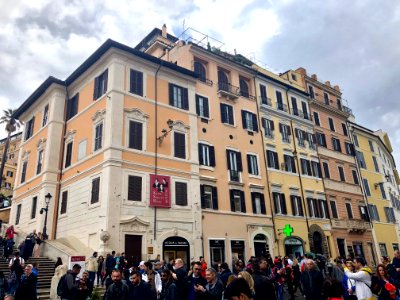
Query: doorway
column 133, row 248
column 294, row 246
column 317, row 241
column 176, row 247
column 261, row 246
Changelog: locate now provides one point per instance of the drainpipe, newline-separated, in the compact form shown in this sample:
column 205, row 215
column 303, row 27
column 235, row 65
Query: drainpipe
column 156, row 141
column 266, row 165
column 60, row 167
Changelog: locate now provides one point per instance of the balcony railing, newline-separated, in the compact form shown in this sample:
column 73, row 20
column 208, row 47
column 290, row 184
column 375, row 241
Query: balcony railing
column 347, row 109
column 228, row 90
column 281, row 106
column 234, row 175
column 265, row 101
column 351, row 225
column 246, row 95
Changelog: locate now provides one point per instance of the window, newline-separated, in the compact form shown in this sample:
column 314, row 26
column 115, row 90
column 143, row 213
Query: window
column 279, row 203
column 326, row 98
column 272, row 159
column 45, row 115
column 294, row 77
column 294, row 106
column 68, row 155
column 269, row 127
column 336, row 144
column 356, row 140
column 100, row 85
column 316, row 119
column 341, row 174
column 305, row 110
column 249, row 121
column 326, row 169
column 23, row 172
column 237, row 201
column 389, row 212
column 10, row 174
column 321, row 140
column 135, row 135
column 311, row 92
column 364, row 213
column 181, row 193
column 202, row 107
column 264, row 96
column 382, row 248
column 301, row 135
column 355, row 177
column 234, row 160
column 289, row 163
column 95, row 190
column 179, row 145
column 334, row 209
column 316, row 169
column 344, row 128
column 331, row 124
column 178, row 96
column 305, row 167
column 134, row 188
column 64, row 202
column 206, row 155
column 33, row 207
column 29, row 128
column 349, row 148
column 209, row 197
column 297, row 207
column 322, row 209
column 82, row 149
column 279, row 101
column 39, row 162
column 349, row 210
column 339, row 104
column 223, row 81
column 98, row 137
column 258, row 203
column 312, row 207
column 371, row 145
column 285, row 131
column 244, row 87
column 366, row 187
column 382, row 189
column 373, row 212
column 136, row 84
column 227, row 114
column 18, row 214
column 252, row 164
column 200, row 70
column 361, row 160
column 72, row 106
column 395, row 246
column 375, row 164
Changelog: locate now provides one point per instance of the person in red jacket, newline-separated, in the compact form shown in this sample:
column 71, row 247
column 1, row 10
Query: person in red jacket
column 203, row 266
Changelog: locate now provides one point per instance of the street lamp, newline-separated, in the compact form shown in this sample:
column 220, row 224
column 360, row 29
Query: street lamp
column 165, row 132
column 47, row 201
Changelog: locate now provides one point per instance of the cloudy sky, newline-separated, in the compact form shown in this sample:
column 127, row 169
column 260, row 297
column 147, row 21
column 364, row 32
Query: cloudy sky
column 355, row 44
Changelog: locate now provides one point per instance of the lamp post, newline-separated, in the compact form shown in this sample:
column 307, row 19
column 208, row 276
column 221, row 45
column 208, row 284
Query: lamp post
column 47, row 201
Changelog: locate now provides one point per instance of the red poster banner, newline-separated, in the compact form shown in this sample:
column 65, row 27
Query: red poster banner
column 160, row 195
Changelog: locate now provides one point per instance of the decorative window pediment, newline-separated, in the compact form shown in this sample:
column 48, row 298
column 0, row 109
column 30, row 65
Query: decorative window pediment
column 99, row 116
column 137, row 114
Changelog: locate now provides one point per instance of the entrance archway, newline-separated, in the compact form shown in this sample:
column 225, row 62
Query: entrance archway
column 294, row 246
column 261, row 245
column 317, row 240
column 176, row 247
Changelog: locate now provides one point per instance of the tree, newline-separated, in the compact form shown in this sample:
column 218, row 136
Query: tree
column 12, row 125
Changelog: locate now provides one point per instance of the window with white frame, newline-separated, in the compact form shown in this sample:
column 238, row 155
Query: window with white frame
column 209, row 197
column 249, row 121
column 82, row 149
column 202, row 107
column 268, row 126
column 98, row 136
column 285, row 132
column 136, row 129
column 206, row 155
column 39, row 162
column 252, row 164
column 279, row 203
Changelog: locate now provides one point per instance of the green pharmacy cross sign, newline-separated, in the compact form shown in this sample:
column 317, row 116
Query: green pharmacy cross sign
column 288, row 230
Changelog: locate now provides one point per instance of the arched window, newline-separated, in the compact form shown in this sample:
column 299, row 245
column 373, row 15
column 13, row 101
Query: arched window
column 244, row 87
column 223, row 81
column 200, row 70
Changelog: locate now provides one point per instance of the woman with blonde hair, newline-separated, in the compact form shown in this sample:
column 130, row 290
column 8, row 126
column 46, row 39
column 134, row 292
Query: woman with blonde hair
column 249, row 279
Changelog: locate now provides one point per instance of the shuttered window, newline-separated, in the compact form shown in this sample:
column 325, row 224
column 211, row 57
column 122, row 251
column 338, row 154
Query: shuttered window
column 249, row 121
column 33, row 208
column 179, row 145
column 297, row 207
column 272, row 159
column 23, row 173
column 134, row 188
column 209, row 197
column 64, row 202
column 226, row 114
column 202, row 107
column 237, row 201
column 258, row 203
column 334, row 209
column 136, row 84
column 135, row 135
column 181, row 193
column 29, row 128
column 178, row 96
column 279, row 203
column 100, row 85
column 68, row 155
column 95, row 190
column 206, row 155
column 72, row 106
column 98, row 138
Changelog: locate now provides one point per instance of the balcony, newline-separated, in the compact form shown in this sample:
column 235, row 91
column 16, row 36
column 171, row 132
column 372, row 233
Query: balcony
column 246, row 94
column 229, row 91
column 347, row 109
column 281, row 106
column 342, row 186
column 265, row 101
column 352, row 226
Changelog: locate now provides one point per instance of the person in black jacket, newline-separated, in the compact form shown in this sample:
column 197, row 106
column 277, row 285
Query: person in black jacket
column 110, row 263
column 312, row 281
column 214, row 288
column 263, row 286
column 117, row 290
column 224, row 273
column 179, row 274
column 27, row 288
column 194, row 280
column 168, row 291
column 69, row 284
column 140, row 290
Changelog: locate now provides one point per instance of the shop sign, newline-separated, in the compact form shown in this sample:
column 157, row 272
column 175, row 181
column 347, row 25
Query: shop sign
column 160, row 191
column 80, row 260
column 237, row 244
column 177, row 241
column 293, row 241
column 217, row 243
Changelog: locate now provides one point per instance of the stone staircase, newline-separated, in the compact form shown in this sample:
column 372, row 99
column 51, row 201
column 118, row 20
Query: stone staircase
column 46, row 272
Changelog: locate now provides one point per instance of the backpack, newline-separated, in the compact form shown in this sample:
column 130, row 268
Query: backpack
column 60, row 285
column 375, row 286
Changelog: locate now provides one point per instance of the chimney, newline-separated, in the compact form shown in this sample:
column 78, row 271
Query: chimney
column 336, row 87
column 328, row 83
column 302, row 71
column 314, row 76
column 164, row 31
